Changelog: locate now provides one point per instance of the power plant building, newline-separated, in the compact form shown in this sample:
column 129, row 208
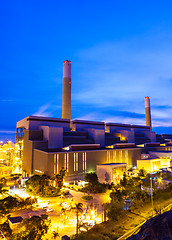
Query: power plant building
column 50, row 144
column 83, row 146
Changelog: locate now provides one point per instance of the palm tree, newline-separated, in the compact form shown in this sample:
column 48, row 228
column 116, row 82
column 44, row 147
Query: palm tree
column 78, row 209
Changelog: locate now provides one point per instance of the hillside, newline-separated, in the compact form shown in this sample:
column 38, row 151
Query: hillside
column 156, row 228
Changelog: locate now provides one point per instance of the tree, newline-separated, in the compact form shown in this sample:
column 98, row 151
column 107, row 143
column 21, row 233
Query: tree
column 59, row 178
column 142, row 172
column 34, row 228
column 27, row 202
column 2, row 184
column 41, row 185
column 55, row 234
column 9, row 203
column 33, row 184
column 114, row 211
column 91, row 178
column 123, row 181
column 116, row 196
column 6, row 230
column 78, row 210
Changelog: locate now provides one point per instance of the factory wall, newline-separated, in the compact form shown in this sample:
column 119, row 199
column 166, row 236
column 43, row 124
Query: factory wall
column 34, row 122
column 28, row 149
column 77, row 163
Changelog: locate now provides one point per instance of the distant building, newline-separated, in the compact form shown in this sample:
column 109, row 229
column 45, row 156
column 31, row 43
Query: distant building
column 15, row 221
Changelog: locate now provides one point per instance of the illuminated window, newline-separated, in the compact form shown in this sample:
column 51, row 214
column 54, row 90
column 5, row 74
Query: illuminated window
column 126, row 156
column 114, row 156
column 108, row 156
column 120, row 155
column 85, row 161
column 84, row 158
column 67, row 163
column 54, row 163
column 57, row 163
column 76, row 161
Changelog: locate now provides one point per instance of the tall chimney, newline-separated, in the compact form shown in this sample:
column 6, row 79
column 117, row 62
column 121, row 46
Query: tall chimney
column 66, row 104
column 148, row 112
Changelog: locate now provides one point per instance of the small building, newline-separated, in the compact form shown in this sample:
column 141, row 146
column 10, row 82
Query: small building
column 153, row 164
column 14, row 221
column 111, row 172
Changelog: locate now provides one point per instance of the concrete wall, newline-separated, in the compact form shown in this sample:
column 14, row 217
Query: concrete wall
column 81, row 125
column 28, row 147
column 105, row 172
column 160, row 154
column 98, row 135
column 54, row 136
column 34, row 122
column 93, row 158
column 117, row 127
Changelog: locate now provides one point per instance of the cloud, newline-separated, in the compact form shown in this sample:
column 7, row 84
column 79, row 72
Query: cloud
column 118, row 75
column 7, row 131
column 47, row 110
column 43, row 111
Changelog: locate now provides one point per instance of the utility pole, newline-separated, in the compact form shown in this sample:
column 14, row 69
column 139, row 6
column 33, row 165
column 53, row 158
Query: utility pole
column 151, row 194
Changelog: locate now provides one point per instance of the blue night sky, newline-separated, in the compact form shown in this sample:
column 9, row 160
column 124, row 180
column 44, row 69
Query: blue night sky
column 121, row 51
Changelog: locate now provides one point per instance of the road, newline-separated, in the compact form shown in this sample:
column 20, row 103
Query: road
column 64, row 222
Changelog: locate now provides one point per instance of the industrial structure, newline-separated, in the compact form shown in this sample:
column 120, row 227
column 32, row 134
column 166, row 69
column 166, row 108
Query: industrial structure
column 66, row 104
column 85, row 146
column 148, row 112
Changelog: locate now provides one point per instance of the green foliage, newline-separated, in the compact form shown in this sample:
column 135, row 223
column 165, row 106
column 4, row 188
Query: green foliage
column 123, row 181
column 34, row 228
column 139, row 195
column 93, row 185
column 9, row 203
column 114, row 211
column 5, row 228
column 91, row 178
column 167, row 175
column 3, row 212
column 40, row 185
column 55, row 234
column 116, row 196
column 2, row 184
column 59, row 178
column 142, row 172
column 78, row 207
column 27, row 202
column 87, row 197
column 98, row 188
column 91, row 236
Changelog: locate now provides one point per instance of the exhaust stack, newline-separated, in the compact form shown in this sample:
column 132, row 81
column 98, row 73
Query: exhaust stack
column 148, row 112
column 66, row 104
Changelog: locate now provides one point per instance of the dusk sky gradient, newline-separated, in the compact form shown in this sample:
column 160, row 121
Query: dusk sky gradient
column 121, row 51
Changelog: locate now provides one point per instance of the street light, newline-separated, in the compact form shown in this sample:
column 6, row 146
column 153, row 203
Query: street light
column 151, row 193
column 159, row 180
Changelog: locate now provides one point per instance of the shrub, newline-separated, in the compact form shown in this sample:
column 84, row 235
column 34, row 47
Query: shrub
column 87, row 197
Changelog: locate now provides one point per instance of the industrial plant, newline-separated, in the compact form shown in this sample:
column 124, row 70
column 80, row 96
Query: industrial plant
column 81, row 146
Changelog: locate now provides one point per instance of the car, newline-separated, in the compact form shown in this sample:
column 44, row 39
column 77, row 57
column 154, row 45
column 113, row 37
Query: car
column 65, row 205
column 49, row 210
column 66, row 192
